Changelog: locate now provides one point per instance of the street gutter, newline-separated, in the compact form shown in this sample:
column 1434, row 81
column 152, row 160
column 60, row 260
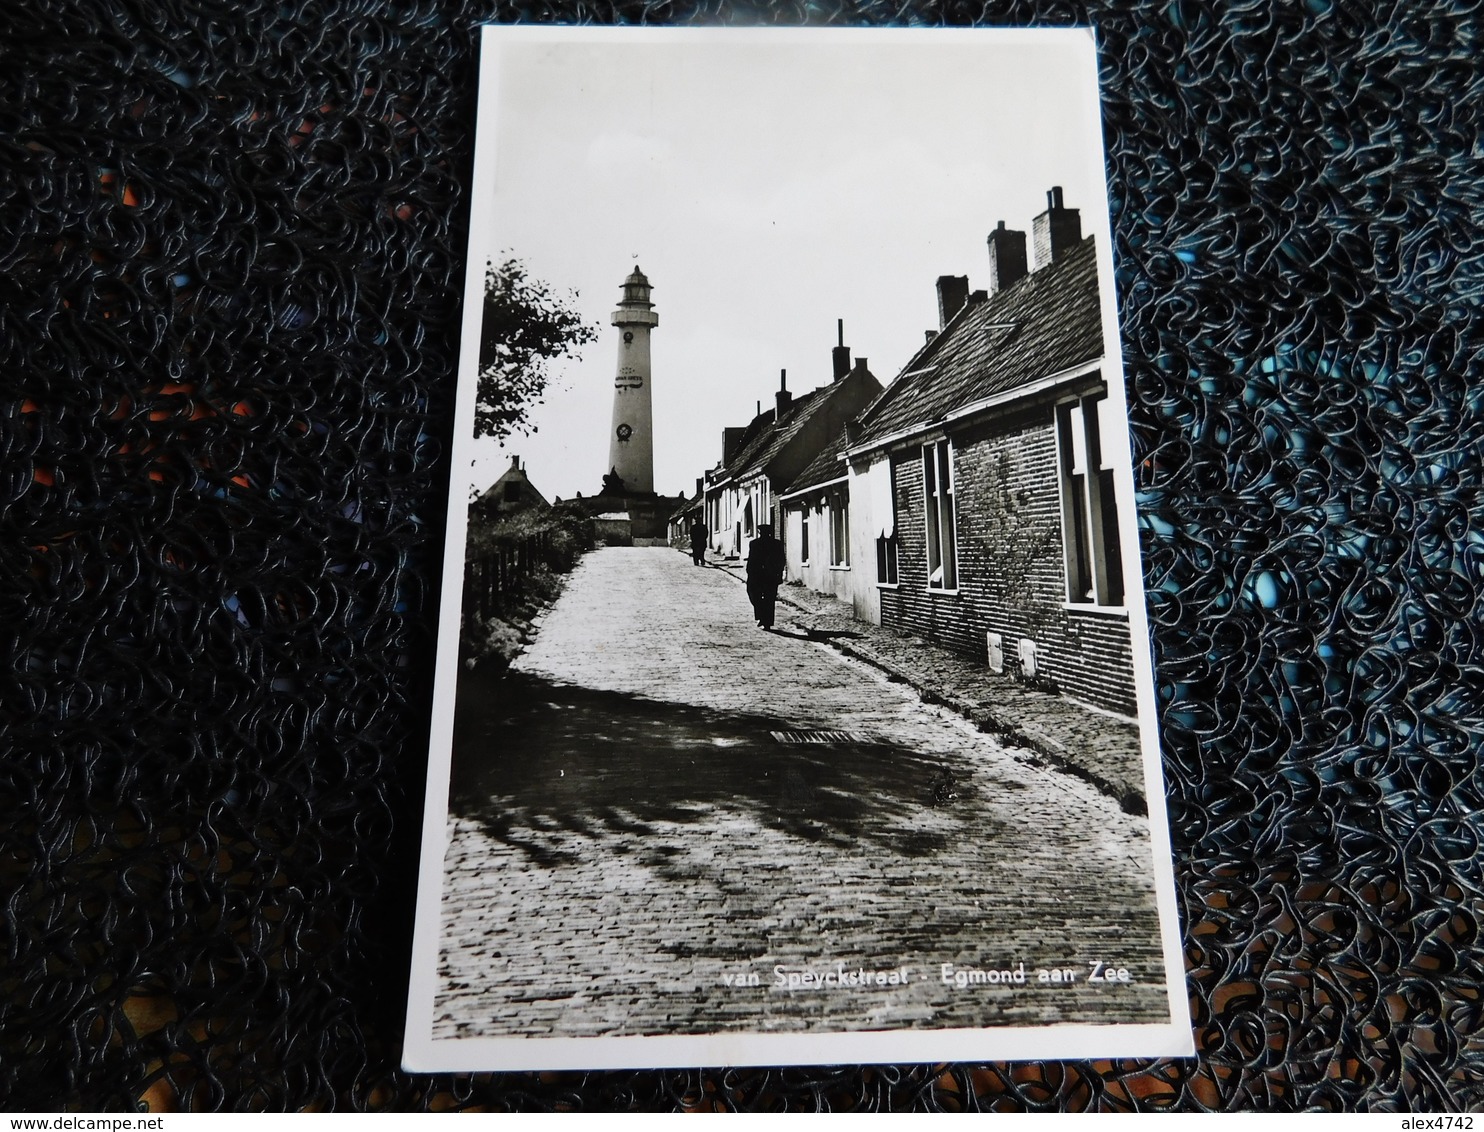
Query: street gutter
column 990, row 720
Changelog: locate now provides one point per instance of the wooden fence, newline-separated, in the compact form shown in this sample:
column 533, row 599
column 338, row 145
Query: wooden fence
column 500, row 572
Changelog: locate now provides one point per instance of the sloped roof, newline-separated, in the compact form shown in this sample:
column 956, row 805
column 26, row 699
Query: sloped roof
column 495, row 493
column 755, row 457
column 752, row 436
column 826, row 466
column 688, row 505
column 750, row 447
column 1044, row 323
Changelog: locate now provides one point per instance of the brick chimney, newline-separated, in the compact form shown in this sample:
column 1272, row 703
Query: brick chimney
column 515, row 463
column 700, row 485
column 784, row 397
column 840, row 355
column 1006, row 257
column 731, row 439
column 1056, row 231
column 953, row 292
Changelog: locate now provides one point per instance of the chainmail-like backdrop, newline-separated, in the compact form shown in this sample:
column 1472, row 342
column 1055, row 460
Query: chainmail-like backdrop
column 231, row 249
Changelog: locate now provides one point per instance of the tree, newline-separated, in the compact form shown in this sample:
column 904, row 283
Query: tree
column 526, row 327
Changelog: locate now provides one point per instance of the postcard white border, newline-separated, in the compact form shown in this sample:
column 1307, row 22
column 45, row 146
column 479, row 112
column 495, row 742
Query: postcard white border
column 423, row 1053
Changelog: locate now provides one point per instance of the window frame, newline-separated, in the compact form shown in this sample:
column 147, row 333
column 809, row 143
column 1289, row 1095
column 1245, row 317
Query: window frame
column 838, row 503
column 1090, row 510
column 888, row 562
column 935, row 501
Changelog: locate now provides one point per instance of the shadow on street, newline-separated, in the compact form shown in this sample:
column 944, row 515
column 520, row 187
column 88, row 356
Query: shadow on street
column 531, row 757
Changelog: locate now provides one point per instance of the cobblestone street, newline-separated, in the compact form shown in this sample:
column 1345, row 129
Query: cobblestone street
column 661, row 804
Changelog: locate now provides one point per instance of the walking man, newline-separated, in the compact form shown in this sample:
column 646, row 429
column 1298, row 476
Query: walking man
column 699, row 532
column 765, row 567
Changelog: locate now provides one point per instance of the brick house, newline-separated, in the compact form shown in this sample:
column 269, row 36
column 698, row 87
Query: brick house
column 681, row 519
column 816, row 524
column 980, row 480
column 763, row 459
column 512, row 492
column 726, row 512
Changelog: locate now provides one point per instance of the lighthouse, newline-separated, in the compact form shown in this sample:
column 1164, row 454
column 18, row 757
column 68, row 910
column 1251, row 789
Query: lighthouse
column 631, row 442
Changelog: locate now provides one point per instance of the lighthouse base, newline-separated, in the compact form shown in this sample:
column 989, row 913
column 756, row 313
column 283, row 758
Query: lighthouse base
column 631, row 520
column 649, row 518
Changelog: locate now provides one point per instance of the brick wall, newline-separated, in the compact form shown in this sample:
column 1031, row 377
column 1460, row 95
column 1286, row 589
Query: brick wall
column 1011, row 573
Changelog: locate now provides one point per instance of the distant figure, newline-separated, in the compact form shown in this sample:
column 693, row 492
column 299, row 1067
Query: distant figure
column 699, row 532
column 765, row 568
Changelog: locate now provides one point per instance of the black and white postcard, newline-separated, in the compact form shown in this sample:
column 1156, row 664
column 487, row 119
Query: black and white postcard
column 793, row 700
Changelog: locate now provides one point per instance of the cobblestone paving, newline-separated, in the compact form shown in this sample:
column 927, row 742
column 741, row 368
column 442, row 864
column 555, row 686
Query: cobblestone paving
column 640, row 854
column 1094, row 744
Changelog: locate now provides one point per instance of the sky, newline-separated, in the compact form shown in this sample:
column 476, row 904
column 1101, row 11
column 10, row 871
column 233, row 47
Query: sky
column 768, row 184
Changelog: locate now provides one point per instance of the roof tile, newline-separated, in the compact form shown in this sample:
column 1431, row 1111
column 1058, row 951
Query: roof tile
column 1046, row 322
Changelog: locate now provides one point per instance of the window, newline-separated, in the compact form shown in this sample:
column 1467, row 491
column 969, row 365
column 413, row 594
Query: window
column 886, row 561
column 804, row 535
column 512, row 491
column 942, row 542
column 1089, row 505
column 881, row 492
column 839, row 530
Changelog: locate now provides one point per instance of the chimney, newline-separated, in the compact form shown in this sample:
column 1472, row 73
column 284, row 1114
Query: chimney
column 784, row 397
column 953, row 291
column 700, row 485
column 1006, row 257
column 515, row 463
column 730, row 439
column 928, row 336
column 759, row 410
column 860, row 365
column 1056, row 231
column 840, row 355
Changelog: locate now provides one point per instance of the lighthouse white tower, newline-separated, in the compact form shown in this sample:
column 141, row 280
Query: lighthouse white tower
column 631, row 443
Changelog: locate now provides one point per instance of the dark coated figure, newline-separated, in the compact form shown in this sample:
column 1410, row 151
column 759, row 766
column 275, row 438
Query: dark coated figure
column 765, row 567
column 699, row 532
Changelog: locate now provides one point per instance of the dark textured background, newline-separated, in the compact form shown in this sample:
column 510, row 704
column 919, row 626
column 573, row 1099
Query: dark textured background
column 230, row 252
